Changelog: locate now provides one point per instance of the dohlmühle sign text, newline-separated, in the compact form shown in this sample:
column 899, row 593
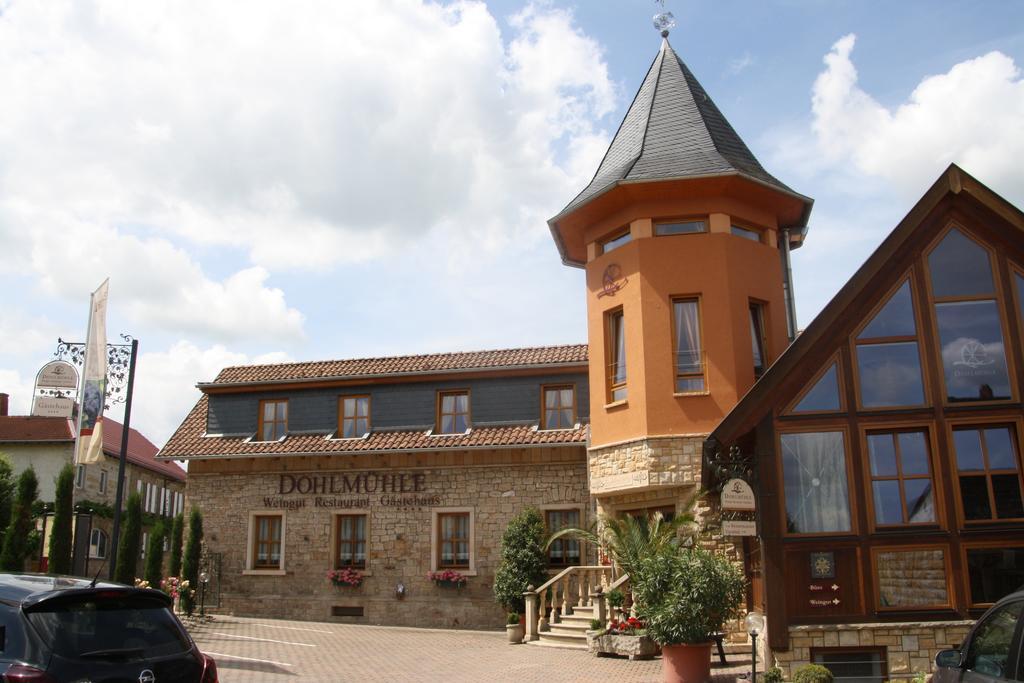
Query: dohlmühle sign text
column 352, row 490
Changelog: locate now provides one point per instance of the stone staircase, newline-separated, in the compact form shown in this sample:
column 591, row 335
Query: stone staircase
column 569, row 632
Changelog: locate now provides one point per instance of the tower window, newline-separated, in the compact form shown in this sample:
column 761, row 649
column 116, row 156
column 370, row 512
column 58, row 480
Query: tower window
column 616, row 242
column 757, row 339
column 615, row 326
column 746, row 233
column 689, row 353
column 684, row 227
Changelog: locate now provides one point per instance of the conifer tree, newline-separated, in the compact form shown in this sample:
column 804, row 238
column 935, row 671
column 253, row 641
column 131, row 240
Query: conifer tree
column 128, row 544
column 155, row 555
column 8, row 484
column 16, row 539
column 60, row 533
column 177, row 533
column 190, row 564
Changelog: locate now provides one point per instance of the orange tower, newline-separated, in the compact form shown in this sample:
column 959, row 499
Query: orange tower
column 685, row 239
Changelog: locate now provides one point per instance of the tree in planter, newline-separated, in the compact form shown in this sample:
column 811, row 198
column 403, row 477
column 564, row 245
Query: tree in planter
column 18, row 543
column 8, row 486
column 155, row 556
column 131, row 538
column 190, row 564
column 523, row 560
column 60, row 535
column 177, row 531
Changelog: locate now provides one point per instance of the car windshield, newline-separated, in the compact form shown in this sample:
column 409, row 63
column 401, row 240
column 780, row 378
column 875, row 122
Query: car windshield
column 108, row 626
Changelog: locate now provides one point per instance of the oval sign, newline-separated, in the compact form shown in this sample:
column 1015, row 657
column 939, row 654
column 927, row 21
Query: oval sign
column 737, row 495
column 57, row 374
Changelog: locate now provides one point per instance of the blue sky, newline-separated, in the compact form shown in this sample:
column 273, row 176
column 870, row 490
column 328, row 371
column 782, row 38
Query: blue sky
column 331, row 180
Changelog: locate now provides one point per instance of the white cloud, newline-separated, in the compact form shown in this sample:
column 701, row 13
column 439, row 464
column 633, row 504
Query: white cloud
column 970, row 115
column 741, row 64
column 165, row 383
column 304, row 135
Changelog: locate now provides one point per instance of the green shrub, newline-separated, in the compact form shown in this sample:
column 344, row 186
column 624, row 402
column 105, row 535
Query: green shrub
column 190, row 564
column 8, row 486
column 128, row 543
column 18, row 539
column 772, row 675
column 523, row 561
column 60, row 535
column 596, row 625
column 616, row 598
column 687, row 594
column 177, row 532
column 812, row 673
column 512, row 619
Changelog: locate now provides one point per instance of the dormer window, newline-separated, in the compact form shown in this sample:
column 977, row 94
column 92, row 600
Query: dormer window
column 452, row 412
column 616, row 241
column 559, row 407
column 354, row 418
column 273, row 422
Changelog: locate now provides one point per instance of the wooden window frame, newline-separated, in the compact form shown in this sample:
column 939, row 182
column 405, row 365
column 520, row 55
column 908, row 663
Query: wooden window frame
column 339, row 540
column 703, row 220
column 998, row 295
column 440, row 405
column 758, row 319
column 947, row 561
column 436, row 545
column 790, row 410
column 253, row 539
column 676, row 375
column 544, row 389
column 611, row 357
column 355, row 419
column 934, row 475
column 261, row 422
column 922, row 361
column 614, row 237
column 851, row 494
column 984, row 422
column 966, row 546
column 547, row 510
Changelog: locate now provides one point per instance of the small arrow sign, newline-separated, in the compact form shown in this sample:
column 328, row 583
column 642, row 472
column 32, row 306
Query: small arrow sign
column 835, row 601
column 835, row 586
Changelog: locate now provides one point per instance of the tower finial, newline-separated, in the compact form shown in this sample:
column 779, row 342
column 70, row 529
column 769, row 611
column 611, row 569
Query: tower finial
column 664, row 21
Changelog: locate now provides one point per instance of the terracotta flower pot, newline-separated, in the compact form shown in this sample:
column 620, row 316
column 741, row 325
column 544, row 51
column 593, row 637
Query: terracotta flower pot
column 686, row 663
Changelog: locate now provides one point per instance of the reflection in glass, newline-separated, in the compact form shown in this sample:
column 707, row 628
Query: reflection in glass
column 959, row 266
column 912, row 578
column 974, row 495
column 888, row 506
column 972, row 351
column 920, row 504
column 883, row 455
column 895, row 319
column 994, row 572
column 823, row 396
column 814, row 474
column 967, row 443
column 679, row 228
column 913, row 453
column 1001, row 455
column 890, row 375
column 1006, row 491
column 746, row 233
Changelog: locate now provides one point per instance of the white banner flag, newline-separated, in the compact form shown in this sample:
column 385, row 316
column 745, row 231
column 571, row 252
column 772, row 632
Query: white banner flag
column 93, row 395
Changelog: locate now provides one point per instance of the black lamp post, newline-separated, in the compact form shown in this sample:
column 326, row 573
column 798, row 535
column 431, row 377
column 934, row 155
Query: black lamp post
column 204, row 578
column 755, row 624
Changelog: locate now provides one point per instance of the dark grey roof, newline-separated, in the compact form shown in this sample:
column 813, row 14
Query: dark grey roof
column 673, row 130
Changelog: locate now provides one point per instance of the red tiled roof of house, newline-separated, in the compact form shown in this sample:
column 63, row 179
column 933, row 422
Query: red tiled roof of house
column 570, row 354
column 18, row 428
column 189, row 440
column 141, row 451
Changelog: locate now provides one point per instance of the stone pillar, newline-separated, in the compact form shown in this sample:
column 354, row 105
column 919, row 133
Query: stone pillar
column 530, row 597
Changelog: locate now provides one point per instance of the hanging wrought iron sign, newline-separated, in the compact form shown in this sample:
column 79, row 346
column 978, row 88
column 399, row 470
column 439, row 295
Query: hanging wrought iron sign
column 118, row 362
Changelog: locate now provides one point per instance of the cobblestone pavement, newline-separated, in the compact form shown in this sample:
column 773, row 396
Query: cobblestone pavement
column 277, row 651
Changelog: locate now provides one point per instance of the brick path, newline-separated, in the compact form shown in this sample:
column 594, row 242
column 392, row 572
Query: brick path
column 276, row 651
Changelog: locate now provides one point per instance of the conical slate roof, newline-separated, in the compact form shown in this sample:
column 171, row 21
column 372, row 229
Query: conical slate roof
column 673, row 130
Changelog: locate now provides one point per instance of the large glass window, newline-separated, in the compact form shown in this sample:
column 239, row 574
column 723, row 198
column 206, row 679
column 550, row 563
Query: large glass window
column 351, row 547
column 682, row 227
column 757, row 339
column 453, row 412
column 453, row 540
column 355, row 416
column 273, row 420
column 987, row 464
column 901, row 482
column 912, row 579
column 559, row 407
column 689, row 354
column 988, row 653
column 266, row 550
column 823, row 396
column 814, row 476
column 969, row 321
column 994, row 573
column 616, row 362
column 563, row 552
column 887, row 355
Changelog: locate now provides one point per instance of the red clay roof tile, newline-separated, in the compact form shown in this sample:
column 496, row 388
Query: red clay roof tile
column 28, row 428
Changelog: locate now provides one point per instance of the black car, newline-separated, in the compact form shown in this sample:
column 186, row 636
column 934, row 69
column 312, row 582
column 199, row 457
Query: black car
column 65, row 630
column 992, row 651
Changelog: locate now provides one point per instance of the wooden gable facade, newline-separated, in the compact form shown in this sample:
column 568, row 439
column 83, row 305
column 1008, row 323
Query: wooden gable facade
column 888, row 438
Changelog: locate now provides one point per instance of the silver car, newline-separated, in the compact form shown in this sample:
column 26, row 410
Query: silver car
column 992, row 650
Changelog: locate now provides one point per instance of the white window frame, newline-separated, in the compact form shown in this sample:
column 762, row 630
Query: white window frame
column 250, row 545
column 434, row 513
column 103, row 481
column 94, row 547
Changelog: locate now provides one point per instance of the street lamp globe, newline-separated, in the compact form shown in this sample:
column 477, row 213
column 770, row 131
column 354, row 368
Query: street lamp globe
column 755, row 623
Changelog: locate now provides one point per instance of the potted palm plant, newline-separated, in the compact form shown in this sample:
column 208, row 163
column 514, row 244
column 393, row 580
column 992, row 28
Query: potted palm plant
column 684, row 596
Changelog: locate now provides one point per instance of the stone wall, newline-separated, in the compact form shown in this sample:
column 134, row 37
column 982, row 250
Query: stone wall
column 498, row 486
column 910, row 646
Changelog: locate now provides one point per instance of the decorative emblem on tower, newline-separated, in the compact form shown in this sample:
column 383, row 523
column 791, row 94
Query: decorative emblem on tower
column 612, row 281
column 664, row 21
